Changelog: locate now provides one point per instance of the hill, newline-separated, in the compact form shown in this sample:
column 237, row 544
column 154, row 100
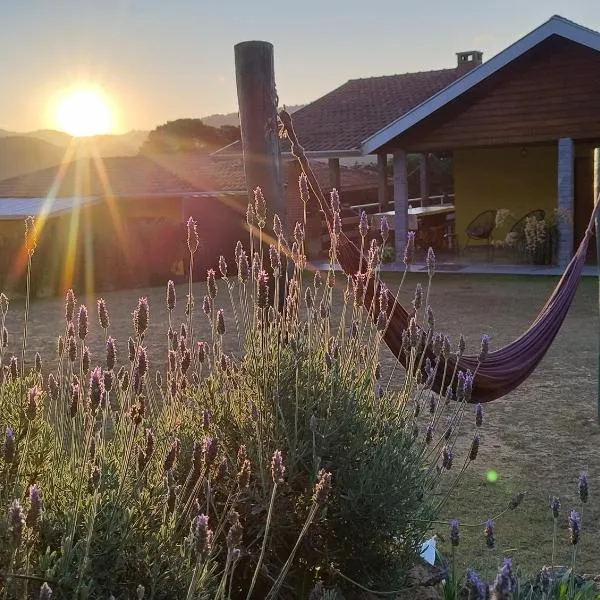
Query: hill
column 32, row 150
column 21, row 154
column 125, row 144
column 218, row 120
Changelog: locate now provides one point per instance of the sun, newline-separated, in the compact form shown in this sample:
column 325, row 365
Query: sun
column 83, row 112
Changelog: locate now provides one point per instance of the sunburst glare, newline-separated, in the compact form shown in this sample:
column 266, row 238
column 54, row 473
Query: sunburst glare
column 83, row 111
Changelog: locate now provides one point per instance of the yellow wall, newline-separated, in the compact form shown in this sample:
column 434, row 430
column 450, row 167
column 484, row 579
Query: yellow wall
column 503, row 178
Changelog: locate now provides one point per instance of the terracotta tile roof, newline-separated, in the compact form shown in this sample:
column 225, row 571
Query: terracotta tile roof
column 350, row 177
column 141, row 176
column 345, row 117
column 121, row 176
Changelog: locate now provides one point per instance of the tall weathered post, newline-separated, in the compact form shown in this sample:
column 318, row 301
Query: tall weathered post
column 257, row 101
column 597, row 199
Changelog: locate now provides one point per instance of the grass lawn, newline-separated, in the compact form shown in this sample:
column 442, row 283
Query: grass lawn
column 537, row 439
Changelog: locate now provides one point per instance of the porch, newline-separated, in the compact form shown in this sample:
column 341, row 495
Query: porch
column 518, row 142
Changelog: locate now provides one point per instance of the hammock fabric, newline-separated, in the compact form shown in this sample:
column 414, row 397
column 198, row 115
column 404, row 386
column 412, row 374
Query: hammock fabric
column 503, row 370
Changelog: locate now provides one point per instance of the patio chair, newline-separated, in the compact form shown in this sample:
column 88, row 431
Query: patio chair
column 517, row 229
column 519, row 226
column 480, row 229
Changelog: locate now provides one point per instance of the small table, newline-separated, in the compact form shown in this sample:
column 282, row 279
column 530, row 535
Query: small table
column 417, row 217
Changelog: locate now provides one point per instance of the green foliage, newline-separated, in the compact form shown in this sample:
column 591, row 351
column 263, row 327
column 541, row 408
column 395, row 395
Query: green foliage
column 188, row 135
column 388, row 254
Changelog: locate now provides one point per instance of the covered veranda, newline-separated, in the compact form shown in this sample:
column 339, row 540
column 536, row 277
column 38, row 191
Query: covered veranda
column 518, row 143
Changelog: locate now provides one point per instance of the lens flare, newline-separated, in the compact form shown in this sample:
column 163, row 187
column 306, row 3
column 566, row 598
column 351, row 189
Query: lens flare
column 491, row 476
column 83, row 111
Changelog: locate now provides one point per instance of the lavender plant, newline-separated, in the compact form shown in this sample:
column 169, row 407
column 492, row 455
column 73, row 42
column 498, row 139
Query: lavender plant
column 244, row 471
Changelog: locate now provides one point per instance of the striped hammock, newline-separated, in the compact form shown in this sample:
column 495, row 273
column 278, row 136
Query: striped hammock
column 503, row 370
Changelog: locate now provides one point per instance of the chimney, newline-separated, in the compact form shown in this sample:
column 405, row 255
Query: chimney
column 465, row 61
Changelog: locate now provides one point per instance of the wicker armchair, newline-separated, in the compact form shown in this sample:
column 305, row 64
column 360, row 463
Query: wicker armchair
column 480, row 229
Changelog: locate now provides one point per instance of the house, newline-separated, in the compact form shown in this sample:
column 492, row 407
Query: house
column 520, row 127
column 120, row 222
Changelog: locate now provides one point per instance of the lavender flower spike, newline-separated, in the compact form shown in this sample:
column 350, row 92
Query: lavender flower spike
column 82, row 329
column 583, row 488
column 488, row 533
column 478, row 415
column 9, row 445
column 484, row 348
column 141, row 317
column 103, row 314
column 505, row 582
column 574, row 526
column 384, row 229
column 277, row 468
column 201, row 536
column 447, row 457
column 474, row 448
column 335, row 200
column 45, row 592
column 220, row 322
column 454, row 532
column 69, row 306
column 192, row 236
column 16, row 522
column 476, row 588
column 35, row 510
column 363, row 225
column 409, row 250
column 555, row 506
column 430, row 262
column 171, row 297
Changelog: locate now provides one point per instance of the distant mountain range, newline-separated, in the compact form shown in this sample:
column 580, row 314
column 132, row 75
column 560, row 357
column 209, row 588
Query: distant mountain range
column 25, row 152
column 233, row 118
column 21, row 154
column 125, row 144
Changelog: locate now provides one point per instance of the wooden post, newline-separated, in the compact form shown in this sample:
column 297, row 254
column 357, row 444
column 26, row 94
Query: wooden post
column 400, row 203
column 596, row 199
column 423, row 183
column 335, row 177
column 382, row 173
column 257, row 101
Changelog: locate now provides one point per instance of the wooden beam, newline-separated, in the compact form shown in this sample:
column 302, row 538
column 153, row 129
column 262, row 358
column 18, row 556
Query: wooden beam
column 257, row 101
column 400, row 203
column 335, row 176
column 382, row 174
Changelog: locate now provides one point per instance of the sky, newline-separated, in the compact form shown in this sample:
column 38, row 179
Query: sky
column 158, row 60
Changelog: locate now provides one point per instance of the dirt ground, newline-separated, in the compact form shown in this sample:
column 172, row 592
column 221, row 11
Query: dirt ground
column 537, row 439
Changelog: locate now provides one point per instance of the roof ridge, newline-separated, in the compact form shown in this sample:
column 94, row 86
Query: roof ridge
column 446, row 70
column 573, row 23
column 555, row 26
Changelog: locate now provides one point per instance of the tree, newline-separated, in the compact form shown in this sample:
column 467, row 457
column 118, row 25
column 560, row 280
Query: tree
column 188, row 135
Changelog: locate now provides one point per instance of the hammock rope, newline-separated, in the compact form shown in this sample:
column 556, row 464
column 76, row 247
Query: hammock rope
column 504, row 369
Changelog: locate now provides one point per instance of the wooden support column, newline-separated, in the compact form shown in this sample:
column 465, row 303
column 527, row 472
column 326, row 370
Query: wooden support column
column 335, row 178
column 257, row 100
column 423, row 182
column 597, row 199
column 382, row 174
column 400, row 202
column 565, row 200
